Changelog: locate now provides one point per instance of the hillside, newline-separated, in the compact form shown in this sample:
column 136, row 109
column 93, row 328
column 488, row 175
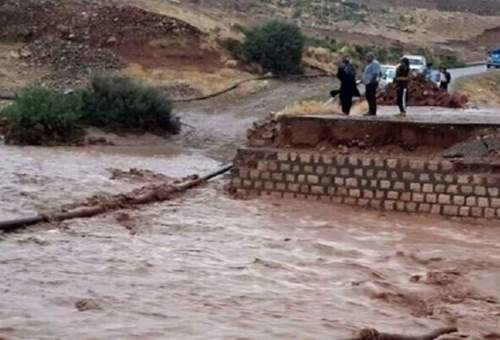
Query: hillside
column 63, row 43
column 179, row 45
column 485, row 7
column 443, row 24
column 482, row 90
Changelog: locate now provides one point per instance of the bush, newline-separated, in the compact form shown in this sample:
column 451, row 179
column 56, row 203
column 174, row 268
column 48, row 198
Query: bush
column 42, row 116
column 122, row 103
column 276, row 46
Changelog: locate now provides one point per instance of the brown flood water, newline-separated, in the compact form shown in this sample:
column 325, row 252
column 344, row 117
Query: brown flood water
column 206, row 266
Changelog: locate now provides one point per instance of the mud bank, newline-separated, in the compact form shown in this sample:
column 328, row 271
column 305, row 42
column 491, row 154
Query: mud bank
column 319, row 131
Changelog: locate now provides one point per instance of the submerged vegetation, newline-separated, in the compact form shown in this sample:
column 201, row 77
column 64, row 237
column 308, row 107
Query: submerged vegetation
column 44, row 116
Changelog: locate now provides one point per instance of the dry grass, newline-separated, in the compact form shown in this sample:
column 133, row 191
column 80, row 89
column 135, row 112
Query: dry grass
column 313, row 107
column 310, row 107
column 481, row 90
column 321, row 58
column 204, row 82
column 13, row 75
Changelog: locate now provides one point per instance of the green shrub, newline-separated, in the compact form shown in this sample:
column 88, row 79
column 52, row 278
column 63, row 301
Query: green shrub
column 276, row 46
column 122, row 103
column 42, row 116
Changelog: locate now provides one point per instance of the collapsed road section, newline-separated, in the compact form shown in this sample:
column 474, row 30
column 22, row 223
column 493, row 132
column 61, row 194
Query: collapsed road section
column 447, row 168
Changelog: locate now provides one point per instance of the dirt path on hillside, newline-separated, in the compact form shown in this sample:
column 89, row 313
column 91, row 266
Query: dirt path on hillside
column 207, row 266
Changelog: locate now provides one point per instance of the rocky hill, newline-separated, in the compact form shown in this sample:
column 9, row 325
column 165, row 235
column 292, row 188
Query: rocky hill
column 72, row 39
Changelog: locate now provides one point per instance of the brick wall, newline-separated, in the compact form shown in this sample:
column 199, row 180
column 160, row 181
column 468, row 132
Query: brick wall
column 411, row 185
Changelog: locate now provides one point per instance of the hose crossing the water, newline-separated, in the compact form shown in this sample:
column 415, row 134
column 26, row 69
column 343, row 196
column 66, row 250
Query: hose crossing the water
column 13, row 96
column 140, row 196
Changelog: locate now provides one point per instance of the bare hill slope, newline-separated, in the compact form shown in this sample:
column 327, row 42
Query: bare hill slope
column 486, row 7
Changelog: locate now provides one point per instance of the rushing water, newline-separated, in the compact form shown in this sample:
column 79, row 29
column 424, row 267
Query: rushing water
column 207, row 266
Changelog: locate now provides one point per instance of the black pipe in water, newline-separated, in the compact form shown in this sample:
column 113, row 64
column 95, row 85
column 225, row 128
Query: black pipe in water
column 7, row 226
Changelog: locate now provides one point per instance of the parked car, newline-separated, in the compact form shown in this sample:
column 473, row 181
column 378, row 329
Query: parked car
column 388, row 75
column 417, row 63
column 493, row 58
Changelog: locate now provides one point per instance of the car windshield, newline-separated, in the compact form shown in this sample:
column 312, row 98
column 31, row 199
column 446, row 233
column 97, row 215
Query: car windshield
column 416, row 62
column 496, row 52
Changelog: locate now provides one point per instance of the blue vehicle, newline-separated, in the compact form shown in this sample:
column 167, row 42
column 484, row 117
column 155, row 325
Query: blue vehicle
column 493, row 58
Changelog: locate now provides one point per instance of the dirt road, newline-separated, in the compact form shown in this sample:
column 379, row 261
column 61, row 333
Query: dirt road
column 207, row 266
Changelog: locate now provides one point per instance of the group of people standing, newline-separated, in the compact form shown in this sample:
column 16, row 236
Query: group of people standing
column 346, row 73
column 440, row 77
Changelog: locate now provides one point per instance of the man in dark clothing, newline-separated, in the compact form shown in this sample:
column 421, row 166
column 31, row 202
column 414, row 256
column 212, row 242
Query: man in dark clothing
column 348, row 89
column 445, row 79
column 402, row 80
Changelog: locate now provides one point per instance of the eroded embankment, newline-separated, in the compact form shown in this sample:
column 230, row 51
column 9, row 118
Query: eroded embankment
column 431, row 136
column 443, row 168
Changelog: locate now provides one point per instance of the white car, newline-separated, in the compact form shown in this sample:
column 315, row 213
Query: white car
column 388, row 75
column 417, row 63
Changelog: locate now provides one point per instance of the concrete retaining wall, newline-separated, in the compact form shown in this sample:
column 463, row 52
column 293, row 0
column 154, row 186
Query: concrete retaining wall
column 410, row 185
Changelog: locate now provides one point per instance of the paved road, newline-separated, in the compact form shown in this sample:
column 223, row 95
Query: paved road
column 458, row 73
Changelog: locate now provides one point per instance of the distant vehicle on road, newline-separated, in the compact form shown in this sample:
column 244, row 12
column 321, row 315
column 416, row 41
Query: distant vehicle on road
column 417, row 63
column 493, row 58
column 388, row 75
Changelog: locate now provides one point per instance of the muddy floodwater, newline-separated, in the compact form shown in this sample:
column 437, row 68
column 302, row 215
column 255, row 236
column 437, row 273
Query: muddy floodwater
column 207, row 266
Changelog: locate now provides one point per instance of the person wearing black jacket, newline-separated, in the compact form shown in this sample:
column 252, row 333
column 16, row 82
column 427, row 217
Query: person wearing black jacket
column 402, row 80
column 346, row 73
column 445, row 79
